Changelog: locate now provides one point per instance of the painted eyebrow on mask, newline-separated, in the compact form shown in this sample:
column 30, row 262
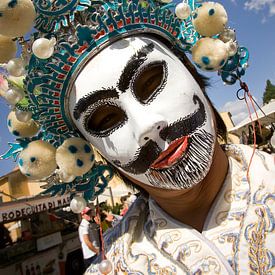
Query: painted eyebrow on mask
column 91, row 99
column 132, row 65
column 128, row 72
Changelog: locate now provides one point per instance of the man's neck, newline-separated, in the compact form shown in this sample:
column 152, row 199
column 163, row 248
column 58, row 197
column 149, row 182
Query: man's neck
column 191, row 206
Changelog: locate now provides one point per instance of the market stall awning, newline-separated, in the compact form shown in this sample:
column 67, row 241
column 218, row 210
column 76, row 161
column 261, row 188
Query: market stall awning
column 267, row 119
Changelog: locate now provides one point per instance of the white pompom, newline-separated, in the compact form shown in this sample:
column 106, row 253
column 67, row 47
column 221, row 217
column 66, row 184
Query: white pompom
column 21, row 129
column 183, row 10
column 75, row 156
column 105, row 267
column 16, row 67
column 7, row 49
column 210, row 19
column 23, row 116
column 210, row 54
column 37, row 160
column 43, row 48
column 78, row 204
column 227, row 35
column 232, row 48
column 13, row 96
column 16, row 18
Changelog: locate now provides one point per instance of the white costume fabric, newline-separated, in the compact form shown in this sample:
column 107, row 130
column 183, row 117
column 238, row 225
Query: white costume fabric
column 238, row 235
column 90, row 229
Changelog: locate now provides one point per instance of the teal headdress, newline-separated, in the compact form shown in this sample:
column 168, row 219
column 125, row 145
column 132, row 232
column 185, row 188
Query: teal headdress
column 82, row 28
column 76, row 31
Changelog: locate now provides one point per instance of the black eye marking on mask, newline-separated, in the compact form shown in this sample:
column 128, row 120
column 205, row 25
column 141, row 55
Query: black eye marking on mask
column 104, row 119
column 132, row 65
column 92, row 98
column 149, row 81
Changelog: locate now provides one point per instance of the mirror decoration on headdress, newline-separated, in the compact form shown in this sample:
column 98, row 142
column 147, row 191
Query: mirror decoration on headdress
column 67, row 35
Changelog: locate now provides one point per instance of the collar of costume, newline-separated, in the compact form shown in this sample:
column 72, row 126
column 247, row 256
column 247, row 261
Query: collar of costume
column 150, row 238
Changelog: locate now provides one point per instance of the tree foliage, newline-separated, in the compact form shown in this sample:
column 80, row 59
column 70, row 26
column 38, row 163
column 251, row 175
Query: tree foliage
column 269, row 92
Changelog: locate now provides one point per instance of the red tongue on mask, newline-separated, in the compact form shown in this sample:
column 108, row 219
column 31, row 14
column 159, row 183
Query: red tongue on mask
column 171, row 154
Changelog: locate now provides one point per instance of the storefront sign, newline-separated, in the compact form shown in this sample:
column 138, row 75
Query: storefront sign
column 13, row 211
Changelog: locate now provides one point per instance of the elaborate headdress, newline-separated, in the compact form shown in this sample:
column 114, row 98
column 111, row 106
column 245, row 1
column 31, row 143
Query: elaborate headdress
column 67, row 35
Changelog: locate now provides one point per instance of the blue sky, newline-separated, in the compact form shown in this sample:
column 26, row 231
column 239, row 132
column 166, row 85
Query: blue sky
column 254, row 21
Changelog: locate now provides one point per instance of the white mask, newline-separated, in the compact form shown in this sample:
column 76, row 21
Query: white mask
column 136, row 103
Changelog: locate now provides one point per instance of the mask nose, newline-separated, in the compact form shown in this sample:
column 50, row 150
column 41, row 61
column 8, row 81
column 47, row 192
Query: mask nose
column 151, row 131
